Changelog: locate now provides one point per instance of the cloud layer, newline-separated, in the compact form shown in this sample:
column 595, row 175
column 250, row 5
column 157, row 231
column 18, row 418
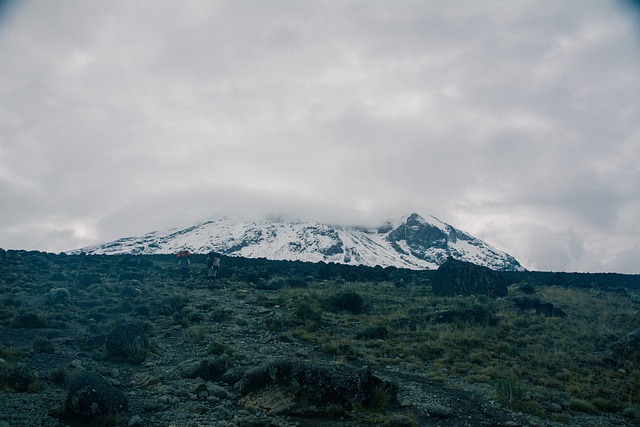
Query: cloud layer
column 515, row 121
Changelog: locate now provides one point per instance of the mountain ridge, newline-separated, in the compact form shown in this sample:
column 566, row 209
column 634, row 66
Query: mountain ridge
column 412, row 242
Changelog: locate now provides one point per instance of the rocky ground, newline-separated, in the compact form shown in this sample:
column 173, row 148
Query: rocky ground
column 205, row 356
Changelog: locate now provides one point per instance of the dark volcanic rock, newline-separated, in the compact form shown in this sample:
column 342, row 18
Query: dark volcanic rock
column 456, row 277
column 92, row 397
column 418, row 235
column 127, row 342
column 319, row 385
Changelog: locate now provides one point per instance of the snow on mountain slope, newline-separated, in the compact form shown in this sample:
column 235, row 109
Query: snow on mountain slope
column 412, row 242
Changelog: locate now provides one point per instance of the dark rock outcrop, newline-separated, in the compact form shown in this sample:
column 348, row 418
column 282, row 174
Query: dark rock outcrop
column 456, row 277
column 91, row 397
column 127, row 342
column 317, row 386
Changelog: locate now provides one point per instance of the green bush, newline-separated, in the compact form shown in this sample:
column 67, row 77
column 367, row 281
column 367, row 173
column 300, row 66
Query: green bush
column 581, row 405
column 307, row 312
column 43, row 345
column 511, row 393
column 349, row 301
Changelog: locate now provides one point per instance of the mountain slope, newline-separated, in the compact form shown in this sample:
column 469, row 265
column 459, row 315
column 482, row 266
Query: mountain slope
column 412, row 242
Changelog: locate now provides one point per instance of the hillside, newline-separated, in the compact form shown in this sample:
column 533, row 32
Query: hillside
column 270, row 342
column 412, row 242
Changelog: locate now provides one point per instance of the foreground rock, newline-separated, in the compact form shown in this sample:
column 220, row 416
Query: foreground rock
column 92, row 398
column 127, row 342
column 301, row 387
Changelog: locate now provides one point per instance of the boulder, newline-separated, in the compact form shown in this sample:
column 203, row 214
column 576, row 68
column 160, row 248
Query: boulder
column 127, row 342
column 318, row 386
column 91, row 397
column 456, row 277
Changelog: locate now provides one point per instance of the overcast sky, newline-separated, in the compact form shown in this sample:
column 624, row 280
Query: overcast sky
column 516, row 121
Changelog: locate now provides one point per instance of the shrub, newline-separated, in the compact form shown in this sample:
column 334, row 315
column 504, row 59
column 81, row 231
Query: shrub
column 43, row 345
column 29, row 321
column 334, row 410
column 196, row 334
column 174, row 303
column 87, row 279
column 58, row 376
column 608, row 405
column 17, row 378
column 297, row 283
column 58, row 296
column 349, row 301
column 219, row 349
column 511, row 393
column 478, row 315
column 582, row 405
column 306, row 312
column 381, row 399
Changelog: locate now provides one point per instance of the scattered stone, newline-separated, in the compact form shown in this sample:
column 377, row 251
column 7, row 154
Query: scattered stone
column 135, row 421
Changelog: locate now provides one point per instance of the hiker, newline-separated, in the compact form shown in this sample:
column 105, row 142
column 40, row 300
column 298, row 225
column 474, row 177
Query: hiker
column 213, row 264
column 183, row 263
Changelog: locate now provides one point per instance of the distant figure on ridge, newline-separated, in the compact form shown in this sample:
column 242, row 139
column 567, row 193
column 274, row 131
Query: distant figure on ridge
column 183, row 263
column 213, row 265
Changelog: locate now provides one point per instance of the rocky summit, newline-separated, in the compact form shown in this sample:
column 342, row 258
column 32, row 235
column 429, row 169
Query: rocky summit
column 412, row 242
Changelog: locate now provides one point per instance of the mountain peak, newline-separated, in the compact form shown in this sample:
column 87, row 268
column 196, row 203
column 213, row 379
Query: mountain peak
column 413, row 242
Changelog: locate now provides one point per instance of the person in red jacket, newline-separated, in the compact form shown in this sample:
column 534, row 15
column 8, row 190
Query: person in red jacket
column 183, row 263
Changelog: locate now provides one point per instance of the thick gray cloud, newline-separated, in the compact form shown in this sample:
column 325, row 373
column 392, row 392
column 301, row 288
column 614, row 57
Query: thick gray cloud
column 515, row 121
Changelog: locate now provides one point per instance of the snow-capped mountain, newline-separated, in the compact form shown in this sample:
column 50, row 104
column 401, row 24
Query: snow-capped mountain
column 411, row 242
